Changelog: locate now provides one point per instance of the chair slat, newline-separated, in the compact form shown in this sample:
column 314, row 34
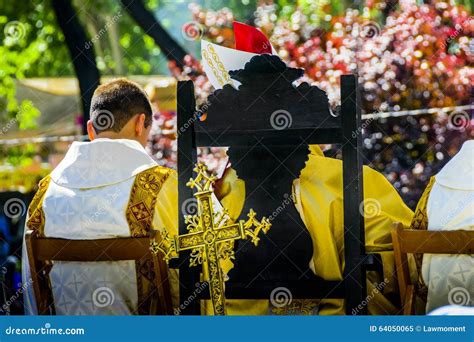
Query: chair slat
column 269, row 137
column 41, row 250
column 407, row 241
column 437, row 242
column 97, row 250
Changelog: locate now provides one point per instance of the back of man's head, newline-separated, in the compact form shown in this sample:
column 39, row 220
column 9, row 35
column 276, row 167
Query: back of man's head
column 115, row 103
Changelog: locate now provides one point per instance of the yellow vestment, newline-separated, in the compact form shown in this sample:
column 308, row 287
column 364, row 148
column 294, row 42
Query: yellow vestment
column 318, row 198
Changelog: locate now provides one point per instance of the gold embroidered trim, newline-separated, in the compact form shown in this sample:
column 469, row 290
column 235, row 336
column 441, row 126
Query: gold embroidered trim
column 420, row 219
column 141, row 206
column 145, row 286
column 36, row 218
column 218, row 69
column 420, row 222
column 302, row 307
column 139, row 214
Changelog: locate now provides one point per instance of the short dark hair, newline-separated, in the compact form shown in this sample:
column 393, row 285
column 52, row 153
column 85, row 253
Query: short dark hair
column 116, row 102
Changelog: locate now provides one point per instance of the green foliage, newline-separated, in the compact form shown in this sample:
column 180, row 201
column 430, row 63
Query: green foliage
column 34, row 45
column 31, row 45
column 43, row 34
column 20, row 156
column 119, row 44
column 317, row 11
column 17, row 58
column 242, row 9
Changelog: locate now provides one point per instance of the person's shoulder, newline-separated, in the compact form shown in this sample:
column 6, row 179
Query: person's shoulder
column 374, row 176
column 159, row 172
column 157, row 169
column 372, row 171
column 43, row 183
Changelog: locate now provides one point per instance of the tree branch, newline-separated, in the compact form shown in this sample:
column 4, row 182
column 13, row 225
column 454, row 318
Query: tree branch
column 147, row 21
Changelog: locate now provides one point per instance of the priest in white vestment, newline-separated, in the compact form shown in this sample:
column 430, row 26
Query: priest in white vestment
column 448, row 204
column 109, row 187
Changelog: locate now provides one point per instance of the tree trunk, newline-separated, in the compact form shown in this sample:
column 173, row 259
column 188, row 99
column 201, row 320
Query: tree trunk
column 82, row 54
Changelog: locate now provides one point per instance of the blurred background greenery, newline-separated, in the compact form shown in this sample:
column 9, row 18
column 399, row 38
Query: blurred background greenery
column 418, row 56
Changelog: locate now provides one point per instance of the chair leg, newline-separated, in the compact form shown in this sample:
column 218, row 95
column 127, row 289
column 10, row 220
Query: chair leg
column 408, row 305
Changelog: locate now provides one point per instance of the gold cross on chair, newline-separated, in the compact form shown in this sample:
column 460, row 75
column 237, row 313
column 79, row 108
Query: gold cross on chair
column 211, row 236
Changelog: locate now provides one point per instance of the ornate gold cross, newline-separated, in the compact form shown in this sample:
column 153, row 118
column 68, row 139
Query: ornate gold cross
column 210, row 236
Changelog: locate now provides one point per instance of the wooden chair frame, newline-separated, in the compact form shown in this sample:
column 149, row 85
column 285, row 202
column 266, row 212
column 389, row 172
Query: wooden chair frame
column 43, row 249
column 357, row 262
column 406, row 241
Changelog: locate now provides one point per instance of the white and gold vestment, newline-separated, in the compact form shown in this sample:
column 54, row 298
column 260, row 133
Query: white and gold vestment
column 101, row 189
